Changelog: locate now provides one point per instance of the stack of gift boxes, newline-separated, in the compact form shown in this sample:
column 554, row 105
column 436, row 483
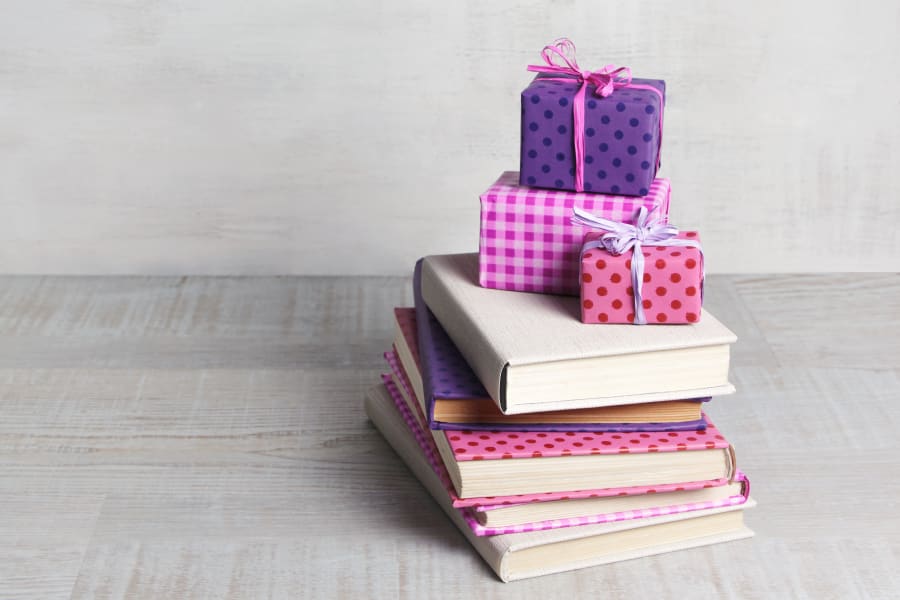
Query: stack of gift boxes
column 550, row 390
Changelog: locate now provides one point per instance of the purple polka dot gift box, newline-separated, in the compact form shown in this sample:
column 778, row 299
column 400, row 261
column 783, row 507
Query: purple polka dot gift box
column 590, row 131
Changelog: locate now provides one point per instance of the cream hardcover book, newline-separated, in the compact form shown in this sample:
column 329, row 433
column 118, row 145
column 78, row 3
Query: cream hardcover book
column 522, row 555
column 457, row 400
column 532, row 353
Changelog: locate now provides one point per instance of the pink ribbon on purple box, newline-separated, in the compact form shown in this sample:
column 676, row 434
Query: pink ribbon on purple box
column 607, row 80
column 622, row 237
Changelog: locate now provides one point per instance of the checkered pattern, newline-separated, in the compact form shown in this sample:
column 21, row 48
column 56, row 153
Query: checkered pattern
column 528, row 243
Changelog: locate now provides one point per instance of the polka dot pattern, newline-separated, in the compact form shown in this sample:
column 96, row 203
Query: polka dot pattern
column 427, row 444
column 621, row 137
column 673, row 280
column 480, row 445
column 469, row 506
column 451, row 376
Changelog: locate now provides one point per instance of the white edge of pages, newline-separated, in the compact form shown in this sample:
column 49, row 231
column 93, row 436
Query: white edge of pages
column 525, row 408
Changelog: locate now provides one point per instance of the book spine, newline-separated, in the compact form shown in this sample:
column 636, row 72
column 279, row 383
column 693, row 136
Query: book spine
column 426, row 344
column 465, row 333
column 613, row 517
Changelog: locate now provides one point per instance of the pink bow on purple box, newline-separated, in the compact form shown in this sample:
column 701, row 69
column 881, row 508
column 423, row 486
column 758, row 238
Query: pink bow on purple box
column 607, row 80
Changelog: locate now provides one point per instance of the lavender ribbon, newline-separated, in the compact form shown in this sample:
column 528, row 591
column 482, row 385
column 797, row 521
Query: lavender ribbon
column 622, row 237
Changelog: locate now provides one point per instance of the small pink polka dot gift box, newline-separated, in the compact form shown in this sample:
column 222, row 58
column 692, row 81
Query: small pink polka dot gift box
column 640, row 274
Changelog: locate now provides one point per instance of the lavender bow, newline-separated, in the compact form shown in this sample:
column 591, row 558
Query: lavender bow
column 622, row 237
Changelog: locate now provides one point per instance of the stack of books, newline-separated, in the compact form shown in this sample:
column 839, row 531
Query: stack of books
column 552, row 443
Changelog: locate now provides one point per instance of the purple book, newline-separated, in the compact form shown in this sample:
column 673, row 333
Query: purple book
column 446, row 374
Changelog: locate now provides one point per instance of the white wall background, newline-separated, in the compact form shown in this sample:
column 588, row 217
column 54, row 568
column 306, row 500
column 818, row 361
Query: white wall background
column 286, row 136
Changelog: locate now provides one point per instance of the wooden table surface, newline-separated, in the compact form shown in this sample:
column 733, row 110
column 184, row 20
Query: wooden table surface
column 204, row 438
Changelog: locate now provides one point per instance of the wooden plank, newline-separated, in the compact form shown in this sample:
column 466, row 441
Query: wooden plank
column 45, row 536
column 202, row 437
column 843, row 321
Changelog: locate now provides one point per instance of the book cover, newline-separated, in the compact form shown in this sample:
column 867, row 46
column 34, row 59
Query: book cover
column 468, row 506
column 468, row 444
column 445, row 374
column 521, row 479
column 532, row 353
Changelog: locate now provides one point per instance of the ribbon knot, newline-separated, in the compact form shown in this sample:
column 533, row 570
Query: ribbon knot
column 622, row 237
column 640, row 234
column 609, row 79
column 605, row 81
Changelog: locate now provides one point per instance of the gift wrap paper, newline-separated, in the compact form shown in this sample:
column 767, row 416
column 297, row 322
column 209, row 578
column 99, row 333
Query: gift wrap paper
column 528, row 242
column 672, row 284
column 621, row 137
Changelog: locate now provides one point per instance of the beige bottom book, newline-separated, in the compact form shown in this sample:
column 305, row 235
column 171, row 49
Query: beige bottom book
column 522, row 555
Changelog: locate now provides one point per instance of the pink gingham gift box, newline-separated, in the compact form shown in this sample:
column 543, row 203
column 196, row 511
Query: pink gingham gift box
column 528, row 242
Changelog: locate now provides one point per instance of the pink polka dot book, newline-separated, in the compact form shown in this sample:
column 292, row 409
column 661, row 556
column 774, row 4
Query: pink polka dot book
column 551, row 391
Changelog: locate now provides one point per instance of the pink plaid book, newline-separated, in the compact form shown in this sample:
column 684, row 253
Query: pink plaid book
column 528, row 243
